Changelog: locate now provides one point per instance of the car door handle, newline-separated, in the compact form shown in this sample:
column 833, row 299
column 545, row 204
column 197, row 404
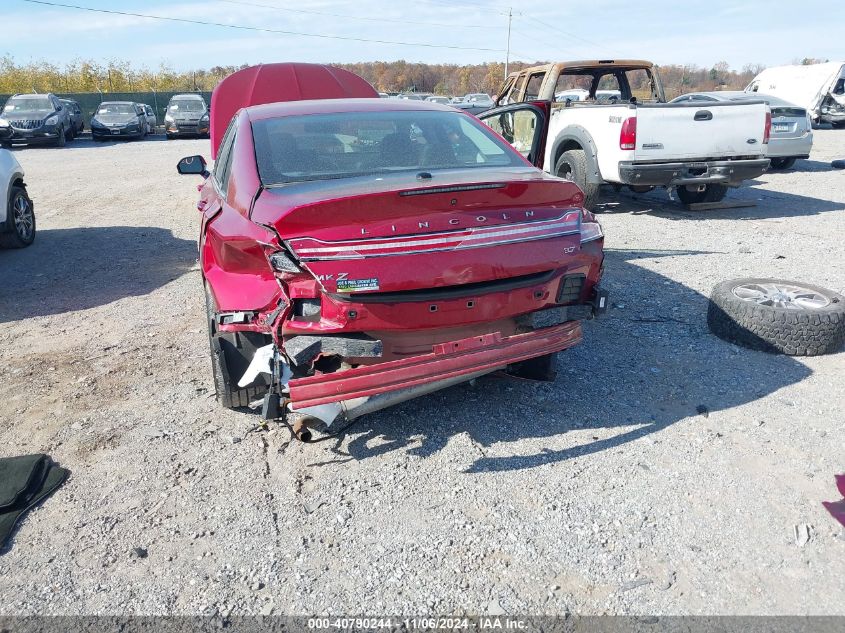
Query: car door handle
column 703, row 115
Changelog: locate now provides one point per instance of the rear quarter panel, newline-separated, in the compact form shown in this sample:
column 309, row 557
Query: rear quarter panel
column 602, row 123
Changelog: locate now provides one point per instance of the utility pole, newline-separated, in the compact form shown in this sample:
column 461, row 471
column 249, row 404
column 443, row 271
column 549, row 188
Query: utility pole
column 508, row 53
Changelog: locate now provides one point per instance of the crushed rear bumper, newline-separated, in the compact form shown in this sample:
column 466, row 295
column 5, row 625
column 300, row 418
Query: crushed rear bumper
column 468, row 357
column 729, row 172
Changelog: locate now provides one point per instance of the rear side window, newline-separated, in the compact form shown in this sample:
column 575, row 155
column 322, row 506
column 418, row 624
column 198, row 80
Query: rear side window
column 223, row 164
column 532, row 90
column 641, row 85
column 350, row 144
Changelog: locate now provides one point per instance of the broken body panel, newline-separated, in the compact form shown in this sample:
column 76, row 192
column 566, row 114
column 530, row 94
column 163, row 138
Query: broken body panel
column 394, row 285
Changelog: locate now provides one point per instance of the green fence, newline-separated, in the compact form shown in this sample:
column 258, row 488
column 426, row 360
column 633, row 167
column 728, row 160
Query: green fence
column 89, row 101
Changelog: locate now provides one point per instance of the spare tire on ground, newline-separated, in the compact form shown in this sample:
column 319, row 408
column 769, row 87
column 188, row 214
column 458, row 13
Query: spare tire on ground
column 777, row 316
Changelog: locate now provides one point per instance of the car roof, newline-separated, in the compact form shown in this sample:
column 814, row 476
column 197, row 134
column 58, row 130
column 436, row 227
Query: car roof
column 335, row 106
column 118, row 103
column 186, row 96
column 739, row 95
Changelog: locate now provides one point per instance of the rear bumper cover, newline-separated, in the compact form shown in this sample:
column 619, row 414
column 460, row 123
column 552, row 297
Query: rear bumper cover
column 731, row 172
column 791, row 147
column 447, row 360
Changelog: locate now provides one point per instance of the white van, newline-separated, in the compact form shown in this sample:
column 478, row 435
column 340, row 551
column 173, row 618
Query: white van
column 819, row 88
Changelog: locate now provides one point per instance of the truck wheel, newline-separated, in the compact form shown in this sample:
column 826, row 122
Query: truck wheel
column 231, row 353
column 772, row 315
column 572, row 165
column 782, row 163
column 711, row 193
column 21, row 220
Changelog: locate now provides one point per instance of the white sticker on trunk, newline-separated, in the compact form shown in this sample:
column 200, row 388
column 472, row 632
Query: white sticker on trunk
column 356, row 285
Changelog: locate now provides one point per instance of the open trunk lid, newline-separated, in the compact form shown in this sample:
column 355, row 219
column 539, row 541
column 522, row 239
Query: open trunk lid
column 272, row 83
column 393, row 235
column 700, row 131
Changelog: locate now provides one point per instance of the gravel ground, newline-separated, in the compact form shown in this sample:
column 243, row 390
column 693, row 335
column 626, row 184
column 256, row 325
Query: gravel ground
column 664, row 472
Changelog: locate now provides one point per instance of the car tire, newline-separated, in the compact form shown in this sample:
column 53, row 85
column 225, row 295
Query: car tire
column 61, row 139
column 231, row 353
column 21, row 220
column 782, row 163
column 838, row 125
column 712, row 193
column 572, row 166
column 777, row 316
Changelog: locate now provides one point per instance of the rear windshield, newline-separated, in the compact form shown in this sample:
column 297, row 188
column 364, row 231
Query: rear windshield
column 186, row 105
column 344, row 145
column 28, row 104
column 116, row 108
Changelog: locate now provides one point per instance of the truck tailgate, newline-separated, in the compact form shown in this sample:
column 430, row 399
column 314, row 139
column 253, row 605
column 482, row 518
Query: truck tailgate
column 700, row 131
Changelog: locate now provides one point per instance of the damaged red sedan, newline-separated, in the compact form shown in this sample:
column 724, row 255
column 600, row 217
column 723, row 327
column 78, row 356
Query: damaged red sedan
column 359, row 252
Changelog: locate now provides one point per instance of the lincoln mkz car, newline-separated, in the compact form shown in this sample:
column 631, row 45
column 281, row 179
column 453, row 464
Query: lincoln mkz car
column 358, row 252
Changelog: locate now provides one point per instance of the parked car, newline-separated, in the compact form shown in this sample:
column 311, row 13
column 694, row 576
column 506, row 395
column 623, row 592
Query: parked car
column 186, row 115
column 791, row 135
column 119, row 119
column 33, row 119
column 640, row 141
column 17, row 213
column 467, row 260
column 152, row 120
column 439, row 99
column 76, row 117
column 475, row 103
column 818, row 88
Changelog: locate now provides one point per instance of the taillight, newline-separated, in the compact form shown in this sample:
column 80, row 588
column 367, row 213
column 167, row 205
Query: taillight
column 590, row 227
column 628, row 134
column 768, row 130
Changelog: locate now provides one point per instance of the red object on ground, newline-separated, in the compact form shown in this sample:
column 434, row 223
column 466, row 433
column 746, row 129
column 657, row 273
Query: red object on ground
column 272, row 83
column 837, row 508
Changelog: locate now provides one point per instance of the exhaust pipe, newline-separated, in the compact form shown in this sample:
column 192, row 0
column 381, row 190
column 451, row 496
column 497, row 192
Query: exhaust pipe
column 356, row 407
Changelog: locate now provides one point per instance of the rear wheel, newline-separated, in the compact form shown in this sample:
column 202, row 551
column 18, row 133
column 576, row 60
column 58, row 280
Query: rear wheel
column 782, row 163
column 231, row 353
column 710, row 193
column 572, row 166
column 20, row 219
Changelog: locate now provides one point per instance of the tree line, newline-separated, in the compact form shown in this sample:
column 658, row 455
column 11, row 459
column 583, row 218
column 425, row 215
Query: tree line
column 80, row 75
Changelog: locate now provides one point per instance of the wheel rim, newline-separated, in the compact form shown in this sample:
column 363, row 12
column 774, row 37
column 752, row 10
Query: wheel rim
column 24, row 220
column 781, row 295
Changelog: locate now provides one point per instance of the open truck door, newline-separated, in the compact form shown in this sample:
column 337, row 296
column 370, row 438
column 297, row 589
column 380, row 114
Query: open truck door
column 273, row 83
column 523, row 125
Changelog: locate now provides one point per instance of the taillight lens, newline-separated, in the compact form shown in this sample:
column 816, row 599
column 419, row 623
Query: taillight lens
column 628, row 134
column 282, row 262
column 590, row 227
column 767, row 132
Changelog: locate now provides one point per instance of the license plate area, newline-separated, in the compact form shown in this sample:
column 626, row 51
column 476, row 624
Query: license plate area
column 115, row 131
column 780, row 127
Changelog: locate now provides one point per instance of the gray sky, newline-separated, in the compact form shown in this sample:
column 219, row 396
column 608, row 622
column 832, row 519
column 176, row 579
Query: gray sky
column 464, row 31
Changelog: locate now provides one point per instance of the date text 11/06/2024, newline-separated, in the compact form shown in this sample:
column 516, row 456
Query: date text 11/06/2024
column 423, row 623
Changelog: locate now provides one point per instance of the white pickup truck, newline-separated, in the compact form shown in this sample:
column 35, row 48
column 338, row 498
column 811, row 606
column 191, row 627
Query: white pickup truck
column 623, row 133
